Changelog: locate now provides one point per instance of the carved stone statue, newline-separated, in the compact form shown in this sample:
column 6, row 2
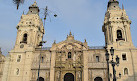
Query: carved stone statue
column 74, row 57
column 47, row 76
column 90, row 74
column 79, row 76
column 33, row 75
column 79, row 57
column 58, row 76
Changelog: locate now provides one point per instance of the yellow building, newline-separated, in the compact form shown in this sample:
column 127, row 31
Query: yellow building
column 71, row 60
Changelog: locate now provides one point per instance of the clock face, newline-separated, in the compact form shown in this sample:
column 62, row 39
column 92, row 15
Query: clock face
column 121, row 43
column 69, row 47
column 22, row 46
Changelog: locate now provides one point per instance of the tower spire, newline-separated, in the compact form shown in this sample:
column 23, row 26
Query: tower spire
column 35, row 3
column 34, row 9
column 70, row 36
column 70, row 33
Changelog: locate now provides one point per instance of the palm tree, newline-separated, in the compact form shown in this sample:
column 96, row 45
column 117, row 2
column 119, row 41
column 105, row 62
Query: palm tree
column 18, row 2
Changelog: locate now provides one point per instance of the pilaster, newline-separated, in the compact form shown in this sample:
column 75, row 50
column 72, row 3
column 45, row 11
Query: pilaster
column 52, row 69
column 85, row 69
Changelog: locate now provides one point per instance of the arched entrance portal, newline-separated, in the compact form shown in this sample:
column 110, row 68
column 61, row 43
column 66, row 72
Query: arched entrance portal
column 98, row 79
column 69, row 77
column 40, row 79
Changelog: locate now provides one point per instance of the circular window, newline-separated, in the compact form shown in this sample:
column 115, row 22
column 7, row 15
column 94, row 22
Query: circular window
column 22, row 46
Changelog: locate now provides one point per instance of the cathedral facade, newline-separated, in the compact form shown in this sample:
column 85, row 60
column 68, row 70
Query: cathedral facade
column 71, row 60
column 2, row 61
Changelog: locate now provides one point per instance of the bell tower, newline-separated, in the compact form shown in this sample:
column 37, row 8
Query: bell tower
column 30, row 32
column 116, row 26
column 117, row 33
column 30, row 29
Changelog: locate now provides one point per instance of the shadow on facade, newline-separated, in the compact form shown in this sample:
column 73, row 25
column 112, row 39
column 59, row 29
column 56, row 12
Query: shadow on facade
column 40, row 79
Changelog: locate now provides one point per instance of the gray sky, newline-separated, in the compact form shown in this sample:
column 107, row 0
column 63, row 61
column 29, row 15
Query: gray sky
column 83, row 17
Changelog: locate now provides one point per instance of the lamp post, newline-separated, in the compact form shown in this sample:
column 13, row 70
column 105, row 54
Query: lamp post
column 112, row 63
column 40, row 44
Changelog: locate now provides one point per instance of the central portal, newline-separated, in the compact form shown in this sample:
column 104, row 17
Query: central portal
column 69, row 77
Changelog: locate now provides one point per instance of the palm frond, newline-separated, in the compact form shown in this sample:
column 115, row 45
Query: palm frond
column 18, row 2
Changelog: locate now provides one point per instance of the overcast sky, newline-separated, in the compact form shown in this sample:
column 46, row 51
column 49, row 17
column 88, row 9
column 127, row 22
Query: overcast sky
column 83, row 17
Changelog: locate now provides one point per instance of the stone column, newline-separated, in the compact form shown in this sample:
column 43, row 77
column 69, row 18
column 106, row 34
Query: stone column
column 85, row 64
column 52, row 69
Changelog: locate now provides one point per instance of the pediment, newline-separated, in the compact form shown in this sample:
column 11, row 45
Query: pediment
column 69, row 45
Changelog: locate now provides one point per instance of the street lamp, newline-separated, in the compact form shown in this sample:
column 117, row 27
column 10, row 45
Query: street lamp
column 117, row 59
column 112, row 63
column 112, row 51
column 40, row 44
column 107, row 56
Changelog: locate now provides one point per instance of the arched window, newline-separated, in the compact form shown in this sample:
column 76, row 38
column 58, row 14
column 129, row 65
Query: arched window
column 40, row 79
column 42, row 59
column 98, row 79
column 68, row 77
column 69, row 54
column 18, row 58
column 125, row 71
column 97, row 58
column 17, row 71
column 119, row 34
column 25, row 38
